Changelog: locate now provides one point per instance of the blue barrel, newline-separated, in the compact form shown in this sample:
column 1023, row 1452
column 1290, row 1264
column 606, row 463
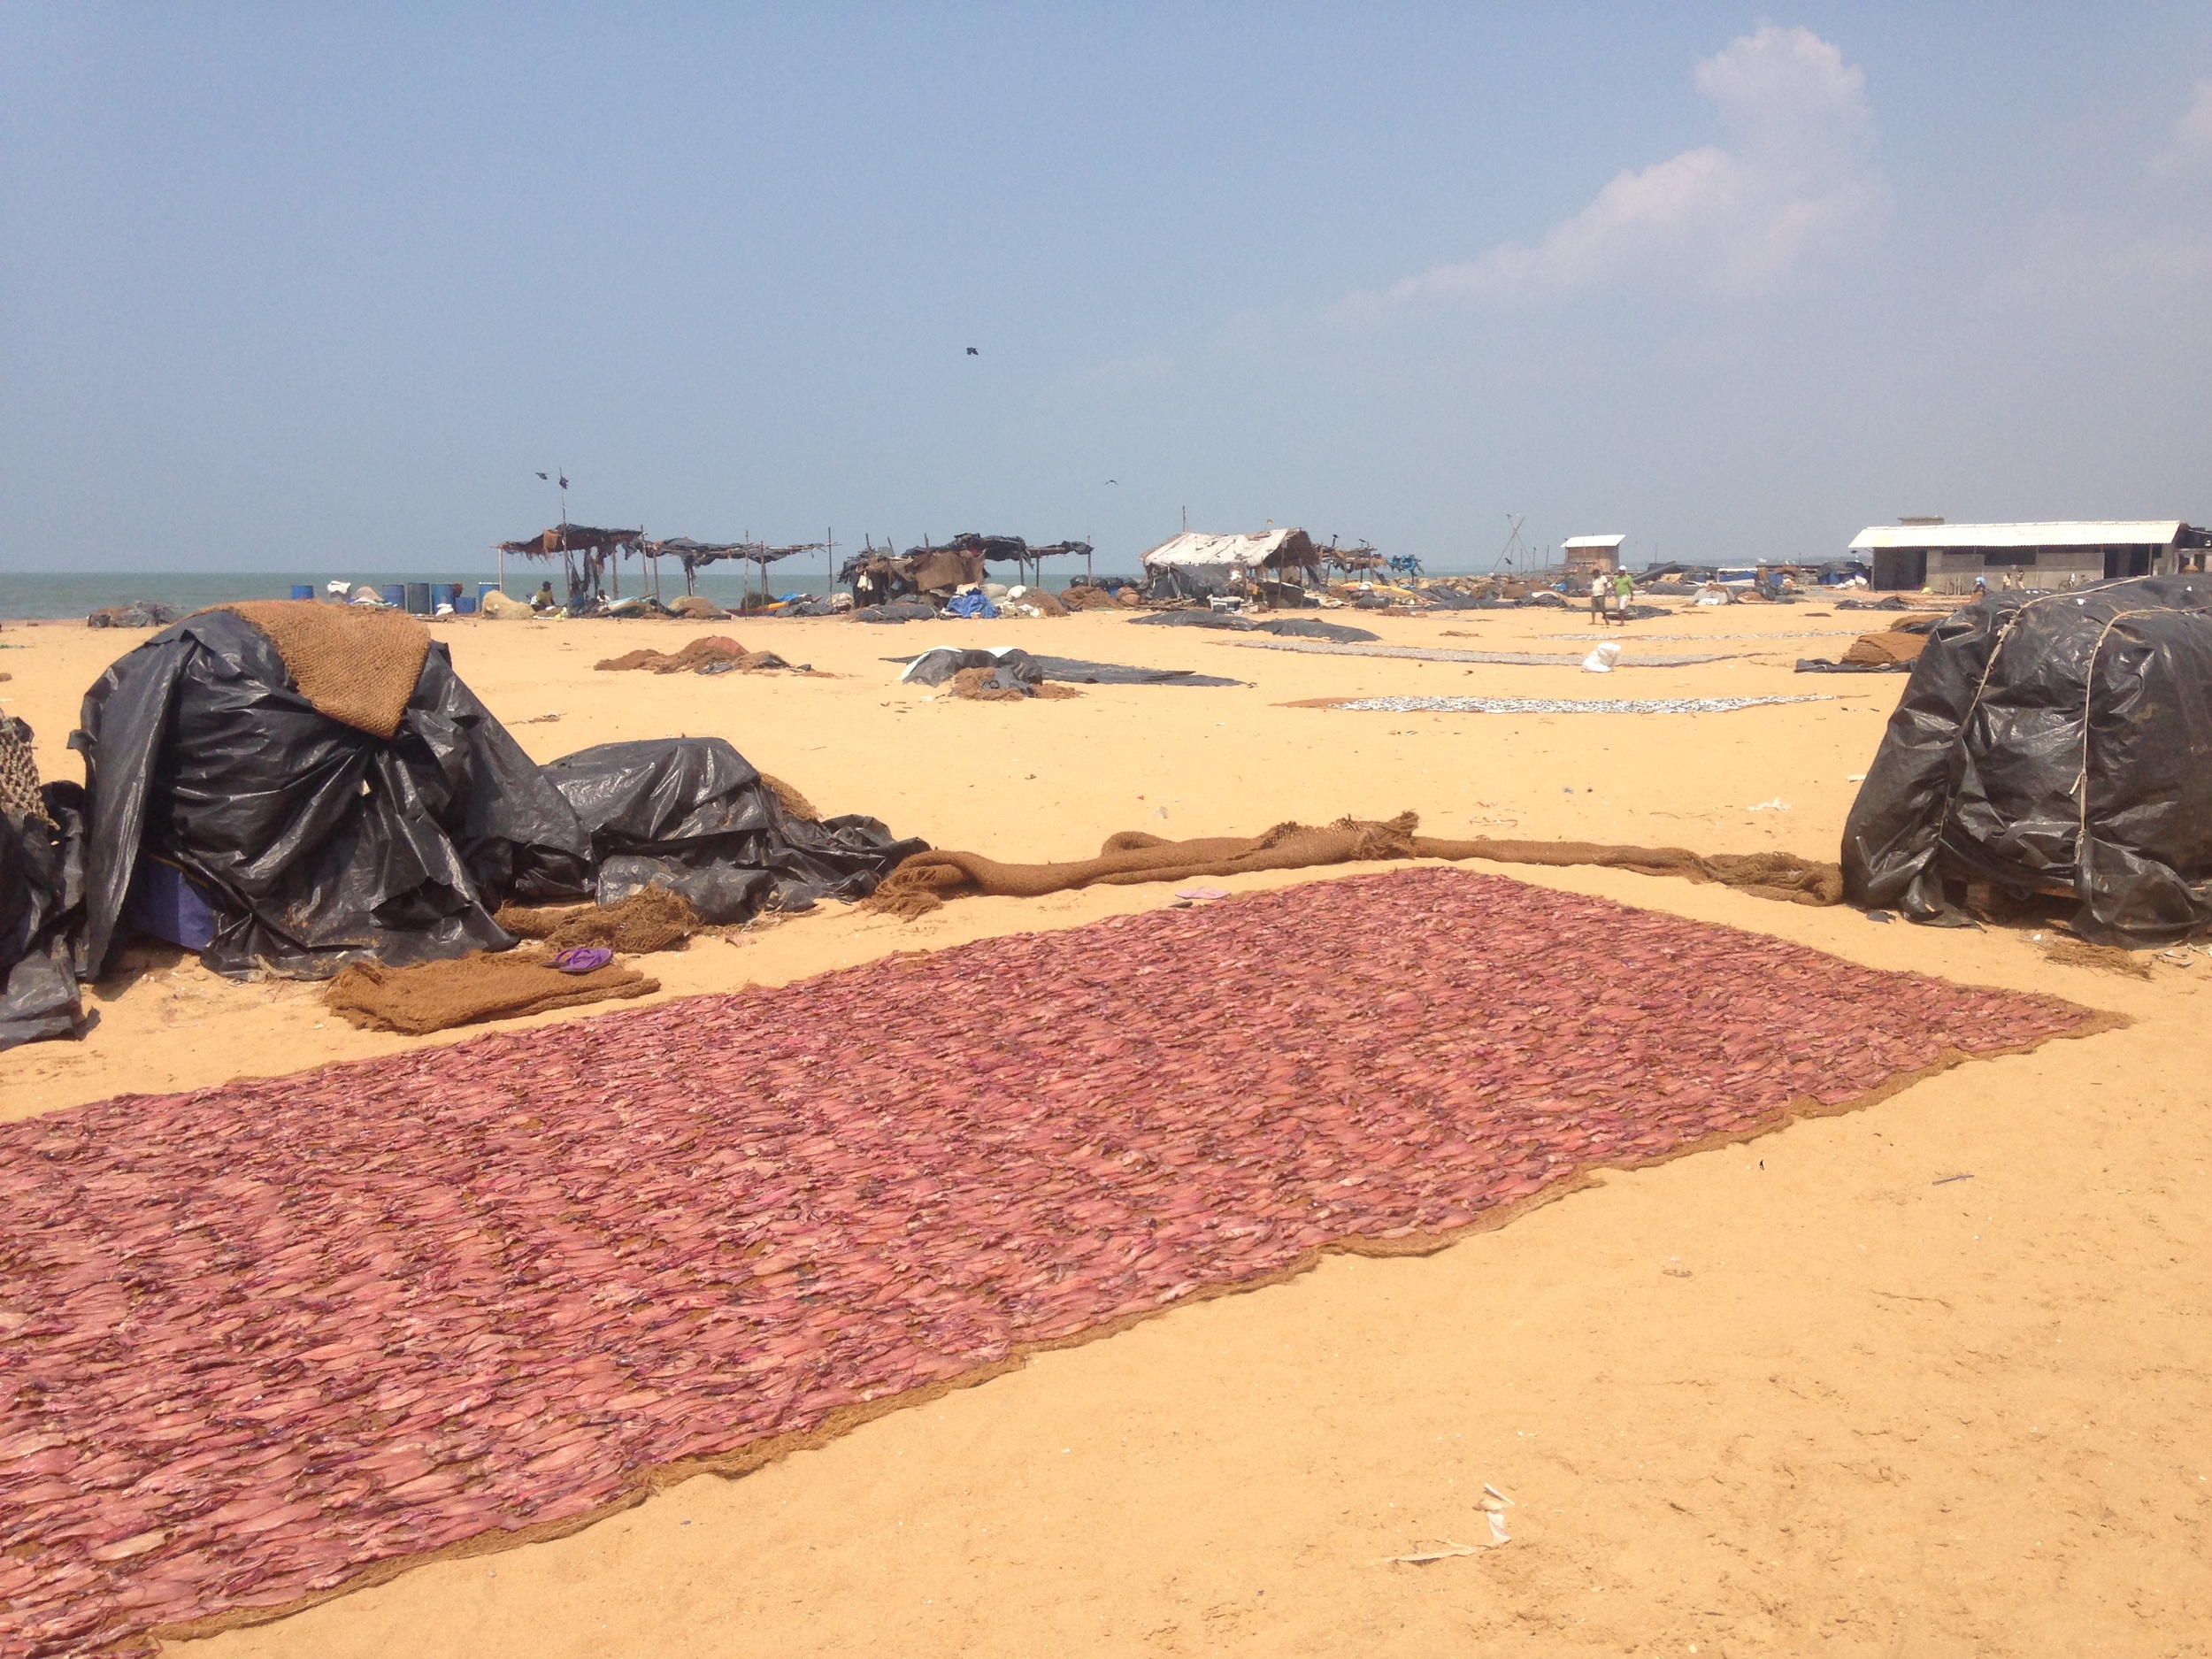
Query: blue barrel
column 303, row 590
column 463, row 605
column 419, row 599
column 392, row 592
column 484, row 588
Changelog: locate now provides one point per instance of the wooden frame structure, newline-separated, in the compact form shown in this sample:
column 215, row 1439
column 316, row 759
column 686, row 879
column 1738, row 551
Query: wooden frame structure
column 584, row 550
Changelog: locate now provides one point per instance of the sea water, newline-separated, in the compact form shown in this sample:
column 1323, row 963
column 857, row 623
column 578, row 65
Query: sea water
column 38, row 593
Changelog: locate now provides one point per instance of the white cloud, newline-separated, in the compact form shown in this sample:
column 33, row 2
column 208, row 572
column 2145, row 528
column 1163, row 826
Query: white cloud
column 2192, row 151
column 1148, row 368
column 1793, row 182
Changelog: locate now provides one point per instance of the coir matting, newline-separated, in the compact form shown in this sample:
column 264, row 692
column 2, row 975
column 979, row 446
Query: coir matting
column 262, row 1342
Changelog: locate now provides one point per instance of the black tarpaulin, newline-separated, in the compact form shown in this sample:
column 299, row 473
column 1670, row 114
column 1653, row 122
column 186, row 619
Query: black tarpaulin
column 691, row 814
column 1017, row 669
column 42, row 893
column 2059, row 742
column 319, row 843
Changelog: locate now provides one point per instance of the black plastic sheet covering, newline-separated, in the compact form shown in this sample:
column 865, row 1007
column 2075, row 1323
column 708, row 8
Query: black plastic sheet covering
column 691, row 814
column 1309, row 629
column 42, row 897
column 1296, row 627
column 1019, row 670
column 1012, row 668
column 2062, row 741
column 1228, row 621
column 320, row 843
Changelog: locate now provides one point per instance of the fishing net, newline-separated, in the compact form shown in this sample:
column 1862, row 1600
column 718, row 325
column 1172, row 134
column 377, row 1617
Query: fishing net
column 997, row 684
column 20, row 796
column 709, row 651
column 652, row 918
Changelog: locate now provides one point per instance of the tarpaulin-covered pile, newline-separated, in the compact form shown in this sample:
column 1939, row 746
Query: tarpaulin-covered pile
column 42, row 891
column 2060, row 743
column 368, row 805
column 691, row 814
column 311, row 785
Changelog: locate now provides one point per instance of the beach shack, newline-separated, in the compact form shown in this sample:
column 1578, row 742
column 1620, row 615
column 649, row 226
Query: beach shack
column 1947, row 558
column 1193, row 565
column 1586, row 555
column 587, row 554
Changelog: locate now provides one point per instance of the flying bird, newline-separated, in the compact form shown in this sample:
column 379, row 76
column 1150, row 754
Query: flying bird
column 1113, row 480
column 973, row 352
column 541, row 475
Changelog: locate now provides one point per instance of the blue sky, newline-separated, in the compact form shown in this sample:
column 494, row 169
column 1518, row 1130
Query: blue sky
column 288, row 287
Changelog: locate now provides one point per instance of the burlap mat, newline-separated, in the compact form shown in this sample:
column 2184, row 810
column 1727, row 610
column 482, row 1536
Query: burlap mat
column 1876, row 650
column 436, row 995
column 926, row 879
column 356, row 666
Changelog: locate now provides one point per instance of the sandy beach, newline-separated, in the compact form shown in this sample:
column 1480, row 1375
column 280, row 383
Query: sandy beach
column 1923, row 1379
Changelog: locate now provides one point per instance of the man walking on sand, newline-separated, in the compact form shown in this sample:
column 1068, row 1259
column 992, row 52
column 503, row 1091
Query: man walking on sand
column 1597, row 595
column 1623, row 591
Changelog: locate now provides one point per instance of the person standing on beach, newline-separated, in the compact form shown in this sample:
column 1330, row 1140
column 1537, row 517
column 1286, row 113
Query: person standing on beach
column 1597, row 595
column 1623, row 591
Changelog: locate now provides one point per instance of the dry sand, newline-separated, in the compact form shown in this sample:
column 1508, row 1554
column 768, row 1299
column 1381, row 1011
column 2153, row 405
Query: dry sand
column 1803, row 1394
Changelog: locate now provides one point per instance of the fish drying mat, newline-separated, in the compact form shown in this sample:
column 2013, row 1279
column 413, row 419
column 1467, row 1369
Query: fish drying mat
column 1444, row 654
column 269, row 1341
column 1549, row 705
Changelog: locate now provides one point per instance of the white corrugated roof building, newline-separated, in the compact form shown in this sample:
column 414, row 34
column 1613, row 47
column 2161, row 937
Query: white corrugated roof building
column 2044, row 554
column 1247, row 552
column 2054, row 533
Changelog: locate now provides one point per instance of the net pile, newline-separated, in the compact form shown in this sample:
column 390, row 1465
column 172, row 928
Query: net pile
column 1092, row 599
column 263, row 1338
column 713, row 651
column 652, row 918
column 987, row 685
column 19, row 796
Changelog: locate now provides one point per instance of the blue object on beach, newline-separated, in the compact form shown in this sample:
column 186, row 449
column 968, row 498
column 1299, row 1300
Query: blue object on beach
column 464, row 605
column 169, row 905
column 419, row 599
column 486, row 588
column 303, row 590
column 977, row 606
column 393, row 594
